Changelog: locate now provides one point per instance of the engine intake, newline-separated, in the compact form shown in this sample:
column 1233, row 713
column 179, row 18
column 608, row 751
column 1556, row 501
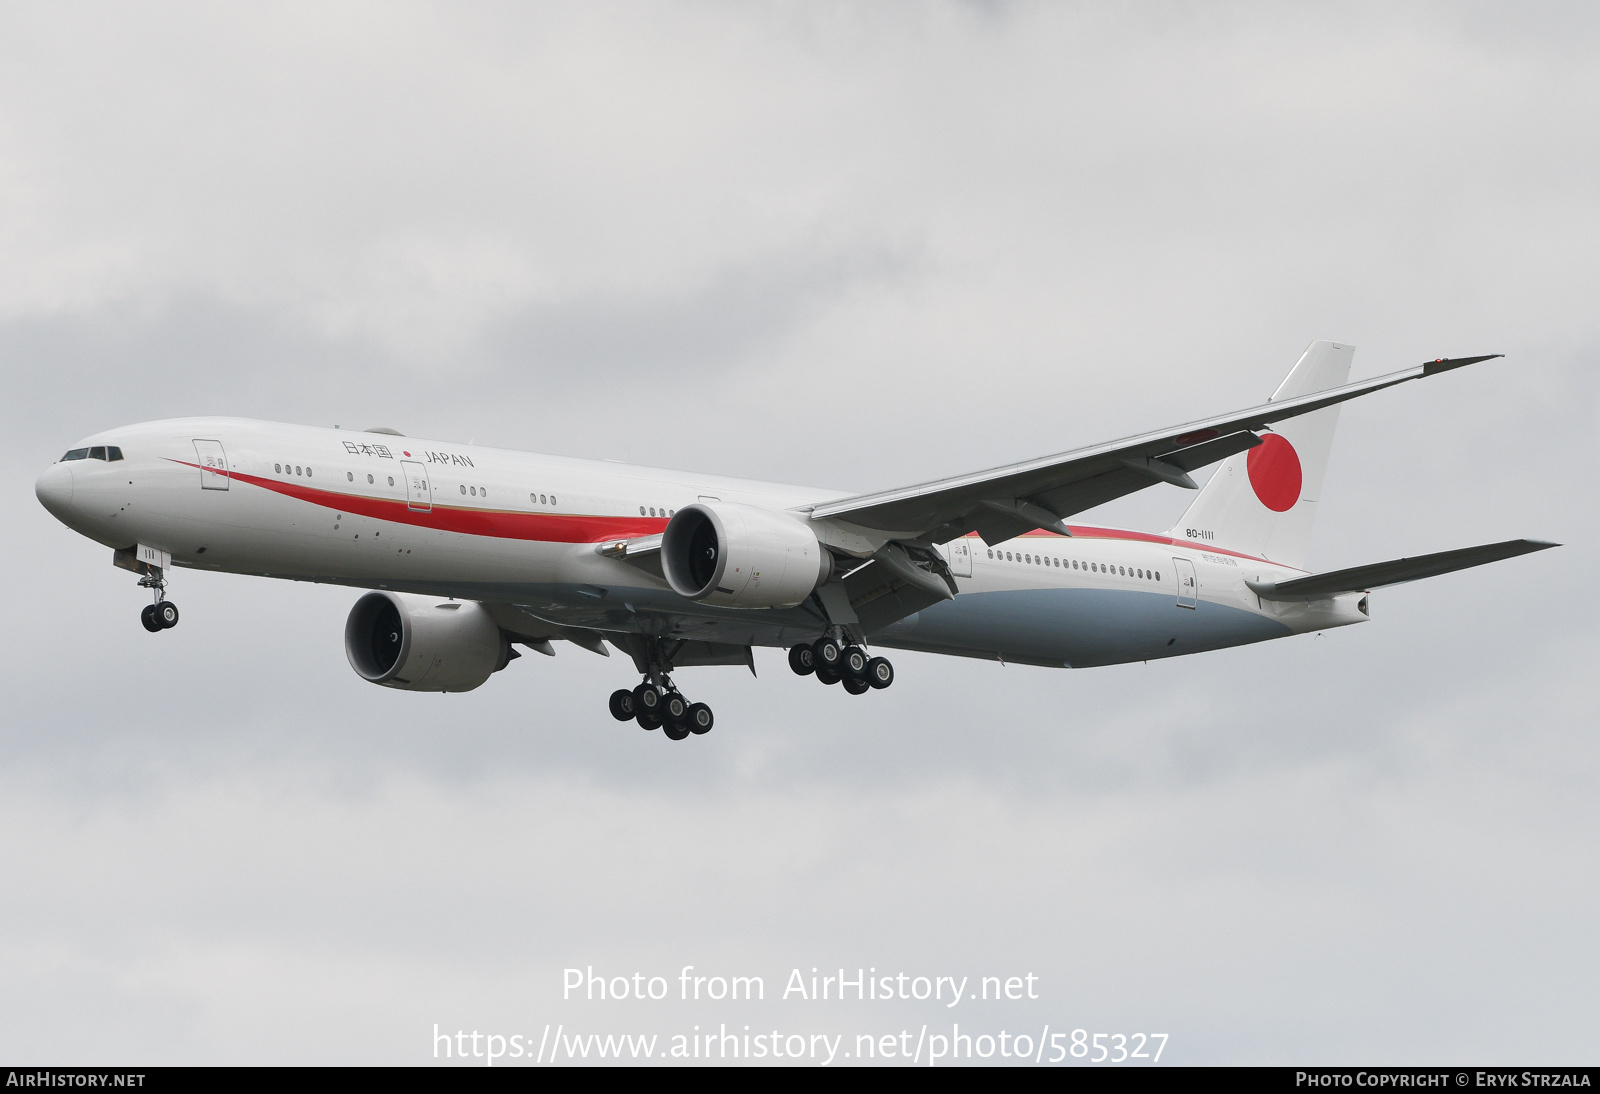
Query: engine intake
column 742, row 556
column 420, row 643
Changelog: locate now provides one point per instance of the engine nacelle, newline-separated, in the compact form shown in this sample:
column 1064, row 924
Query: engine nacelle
column 742, row 556
column 420, row 643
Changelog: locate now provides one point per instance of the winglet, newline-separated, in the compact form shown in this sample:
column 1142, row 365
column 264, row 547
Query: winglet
column 1445, row 364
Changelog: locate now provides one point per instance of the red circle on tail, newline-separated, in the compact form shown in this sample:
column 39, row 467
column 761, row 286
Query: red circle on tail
column 1274, row 473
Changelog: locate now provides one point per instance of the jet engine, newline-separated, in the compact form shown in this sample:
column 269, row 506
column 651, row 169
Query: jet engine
column 742, row 556
column 419, row 643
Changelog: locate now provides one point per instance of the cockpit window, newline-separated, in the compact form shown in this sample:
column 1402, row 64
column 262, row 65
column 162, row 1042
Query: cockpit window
column 98, row 452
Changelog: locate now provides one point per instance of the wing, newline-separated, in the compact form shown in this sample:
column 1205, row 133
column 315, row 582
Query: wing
column 1008, row 501
column 1379, row 574
column 641, row 551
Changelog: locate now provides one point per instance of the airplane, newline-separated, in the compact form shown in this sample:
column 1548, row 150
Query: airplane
column 470, row 551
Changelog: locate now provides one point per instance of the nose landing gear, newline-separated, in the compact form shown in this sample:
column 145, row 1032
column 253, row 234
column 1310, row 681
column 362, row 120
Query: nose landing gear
column 163, row 614
column 160, row 616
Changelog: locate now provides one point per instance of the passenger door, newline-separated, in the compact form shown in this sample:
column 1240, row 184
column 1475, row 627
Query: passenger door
column 419, row 495
column 959, row 552
column 1188, row 585
column 213, row 465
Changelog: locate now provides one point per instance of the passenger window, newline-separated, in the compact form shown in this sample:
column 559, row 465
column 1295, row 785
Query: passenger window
column 533, row 499
column 391, row 480
column 991, row 552
column 277, row 468
column 641, row 510
column 541, row 499
column 308, row 472
column 369, row 480
column 552, row 499
column 463, row 488
column 349, row 476
column 474, row 491
column 297, row 470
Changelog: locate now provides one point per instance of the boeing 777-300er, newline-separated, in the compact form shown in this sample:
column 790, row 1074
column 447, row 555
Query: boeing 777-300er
column 469, row 552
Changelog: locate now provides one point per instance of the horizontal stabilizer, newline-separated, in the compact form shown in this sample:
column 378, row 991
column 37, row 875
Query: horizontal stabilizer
column 1445, row 364
column 1363, row 578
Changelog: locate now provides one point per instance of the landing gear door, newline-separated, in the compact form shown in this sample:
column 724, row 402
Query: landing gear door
column 959, row 552
column 419, row 495
column 1188, row 586
column 213, row 465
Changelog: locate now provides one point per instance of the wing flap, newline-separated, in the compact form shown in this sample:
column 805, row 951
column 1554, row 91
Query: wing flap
column 1378, row 574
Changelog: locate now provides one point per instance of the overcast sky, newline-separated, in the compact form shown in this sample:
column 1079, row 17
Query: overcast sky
column 832, row 244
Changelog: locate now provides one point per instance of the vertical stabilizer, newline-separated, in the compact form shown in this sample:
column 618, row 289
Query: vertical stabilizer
column 1262, row 502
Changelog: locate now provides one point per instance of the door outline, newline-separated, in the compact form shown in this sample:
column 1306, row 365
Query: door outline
column 419, row 493
column 959, row 553
column 1188, row 584
column 213, row 464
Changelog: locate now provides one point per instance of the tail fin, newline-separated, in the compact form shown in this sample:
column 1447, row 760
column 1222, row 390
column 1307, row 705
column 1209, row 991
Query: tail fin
column 1262, row 502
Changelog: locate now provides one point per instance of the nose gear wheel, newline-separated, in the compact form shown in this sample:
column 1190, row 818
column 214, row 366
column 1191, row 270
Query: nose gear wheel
column 162, row 615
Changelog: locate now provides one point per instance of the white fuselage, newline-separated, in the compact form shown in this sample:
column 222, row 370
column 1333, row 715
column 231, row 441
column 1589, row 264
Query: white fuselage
column 382, row 511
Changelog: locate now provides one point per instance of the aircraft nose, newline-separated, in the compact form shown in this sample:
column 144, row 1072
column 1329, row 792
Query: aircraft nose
column 54, row 491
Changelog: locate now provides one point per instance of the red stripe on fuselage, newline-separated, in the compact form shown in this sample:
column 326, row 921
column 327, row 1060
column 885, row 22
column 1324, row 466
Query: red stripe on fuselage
column 498, row 523
column 564, row 528
column 1087, row 531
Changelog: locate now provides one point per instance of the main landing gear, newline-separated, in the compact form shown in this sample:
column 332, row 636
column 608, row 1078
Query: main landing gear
column 835, row 664
column 659, row 705
column 163, row 614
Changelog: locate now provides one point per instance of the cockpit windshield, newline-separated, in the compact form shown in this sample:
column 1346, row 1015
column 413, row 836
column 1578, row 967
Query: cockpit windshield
column 98, row 452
